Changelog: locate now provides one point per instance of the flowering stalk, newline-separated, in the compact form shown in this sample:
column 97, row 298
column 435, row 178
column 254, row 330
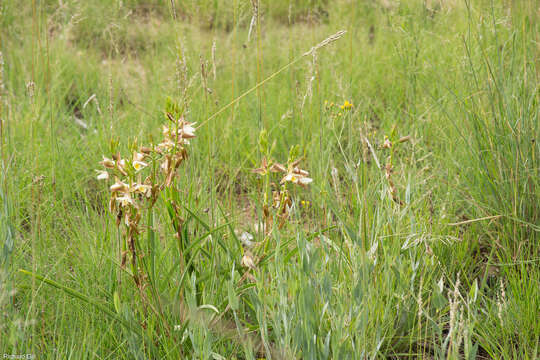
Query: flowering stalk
column 281, row 198
column 138, row 183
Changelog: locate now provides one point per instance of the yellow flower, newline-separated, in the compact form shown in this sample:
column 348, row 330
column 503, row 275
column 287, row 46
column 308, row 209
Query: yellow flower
column 346, row 105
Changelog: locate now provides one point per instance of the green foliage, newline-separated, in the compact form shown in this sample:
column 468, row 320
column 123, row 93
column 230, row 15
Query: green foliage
column 417, row 238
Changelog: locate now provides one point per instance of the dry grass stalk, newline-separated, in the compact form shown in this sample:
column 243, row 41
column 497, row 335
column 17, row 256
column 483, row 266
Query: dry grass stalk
column 2, row 88
column 310, row 79
column 182, row 77
column 454, row 313
column 501, row 302
column 110, row 107
column 204, row 74
column 326, row 41
column 93, row 98
column 214, row 59
column 254, row 17
column 2, row 85
column 335, row 180
column 30, row 90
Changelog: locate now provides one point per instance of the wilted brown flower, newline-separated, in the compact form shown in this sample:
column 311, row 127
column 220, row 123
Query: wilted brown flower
column 108, row 163
column 248, row 260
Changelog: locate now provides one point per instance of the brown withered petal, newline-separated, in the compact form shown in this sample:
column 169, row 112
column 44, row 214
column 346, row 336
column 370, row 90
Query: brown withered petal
column 170, row 176
column 145, row 150
column 260, row 171
column 112, row 204
column 263, row 169
column 296, row 163
column 118, row 186
column 120, row 164
column 108, row 163
column 299, row 171
column 277, row 167
column 405, row 138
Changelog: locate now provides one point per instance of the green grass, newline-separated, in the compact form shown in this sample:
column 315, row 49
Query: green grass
column 447, row 269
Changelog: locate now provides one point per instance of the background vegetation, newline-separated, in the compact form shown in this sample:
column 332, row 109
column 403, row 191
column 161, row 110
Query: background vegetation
column 445, row 267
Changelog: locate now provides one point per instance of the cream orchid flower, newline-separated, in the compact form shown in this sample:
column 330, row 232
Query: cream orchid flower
column 297, row 176
column 102, row 175
column 186, row 130
column 137, row 156
column 125, row 200
column 141, row 189
column 166, row 145
column 139, row 165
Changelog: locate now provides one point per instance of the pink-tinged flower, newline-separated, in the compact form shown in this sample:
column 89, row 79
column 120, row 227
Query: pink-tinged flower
column 137, row 156
column 387, row 144
column 102, row 175
column 263, row 169
column 186, row 130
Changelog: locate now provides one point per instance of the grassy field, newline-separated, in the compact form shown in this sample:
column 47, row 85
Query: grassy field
column 414, row 232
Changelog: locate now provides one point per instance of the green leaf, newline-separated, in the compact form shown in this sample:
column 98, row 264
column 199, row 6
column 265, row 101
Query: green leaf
column 473, row 291
column 233, row 298
column 102, row 308
column 116, row 301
